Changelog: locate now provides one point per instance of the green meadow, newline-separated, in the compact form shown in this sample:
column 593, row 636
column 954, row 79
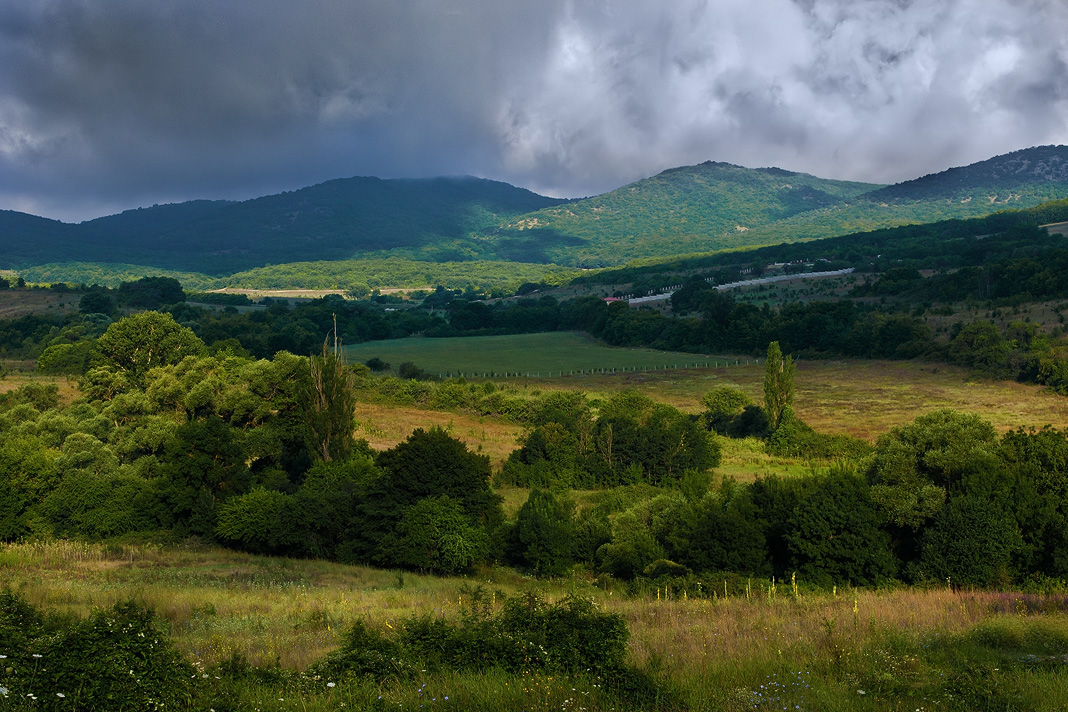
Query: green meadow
column 545, row 355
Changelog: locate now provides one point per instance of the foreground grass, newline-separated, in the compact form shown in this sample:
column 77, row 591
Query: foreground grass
column 857, row 650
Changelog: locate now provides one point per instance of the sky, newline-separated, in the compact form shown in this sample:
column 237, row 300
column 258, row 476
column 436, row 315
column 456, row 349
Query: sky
column 107, row 105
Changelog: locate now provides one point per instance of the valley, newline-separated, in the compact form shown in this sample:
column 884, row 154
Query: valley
column 511, row 487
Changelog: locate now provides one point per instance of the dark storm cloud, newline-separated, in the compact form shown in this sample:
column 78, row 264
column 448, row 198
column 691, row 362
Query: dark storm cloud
column 106, row 104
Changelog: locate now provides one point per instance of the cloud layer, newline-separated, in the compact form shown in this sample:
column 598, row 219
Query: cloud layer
column 108, row 104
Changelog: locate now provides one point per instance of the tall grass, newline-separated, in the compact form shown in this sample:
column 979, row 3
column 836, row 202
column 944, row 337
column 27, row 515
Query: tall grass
column 904, row 648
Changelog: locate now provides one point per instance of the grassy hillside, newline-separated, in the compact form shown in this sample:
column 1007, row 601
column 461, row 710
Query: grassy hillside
column 695, row 208
column 370, row 273
column 716, row 206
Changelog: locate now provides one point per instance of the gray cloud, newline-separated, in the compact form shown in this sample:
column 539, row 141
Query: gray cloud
column 106, row 104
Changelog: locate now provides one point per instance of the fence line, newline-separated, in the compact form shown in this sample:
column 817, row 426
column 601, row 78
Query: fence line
column 710, row 363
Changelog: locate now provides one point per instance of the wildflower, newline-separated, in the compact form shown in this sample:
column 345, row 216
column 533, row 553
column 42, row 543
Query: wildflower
column 330, row 684
column 60, row 694
column 37, row 655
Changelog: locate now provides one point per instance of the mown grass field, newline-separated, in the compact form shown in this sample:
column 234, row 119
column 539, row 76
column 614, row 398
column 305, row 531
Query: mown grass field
column 540, row 355
column 903, row 649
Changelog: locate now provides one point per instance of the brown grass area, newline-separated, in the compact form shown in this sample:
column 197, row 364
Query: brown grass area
column 688, row 633
column 859, row 398
column 383, row 426
column 217, row 603
column 20, row 302
column 68, row 389
column 257, row 294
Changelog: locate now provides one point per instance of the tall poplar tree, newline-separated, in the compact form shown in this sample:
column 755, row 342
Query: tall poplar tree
column 329, row 404
column 778, row 384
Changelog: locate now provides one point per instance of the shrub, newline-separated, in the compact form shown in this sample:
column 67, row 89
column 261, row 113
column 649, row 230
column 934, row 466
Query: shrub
column 971, row 542
column 722, row 405
column 543, row 538
column 117, row 659
column 436, row 535
column 409, row 371
column 365, row 651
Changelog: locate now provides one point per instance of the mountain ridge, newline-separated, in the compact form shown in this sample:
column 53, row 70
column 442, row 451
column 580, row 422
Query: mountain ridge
column 700, row 208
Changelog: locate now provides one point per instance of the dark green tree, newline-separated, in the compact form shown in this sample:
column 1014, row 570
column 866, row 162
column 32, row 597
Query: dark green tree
column 971, row 542
column 329, row 401
column 543, row 539
column 835, row 537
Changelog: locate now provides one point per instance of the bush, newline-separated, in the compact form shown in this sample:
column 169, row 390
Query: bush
column 436, row 535
column 543, row 538
column 117, row 659
column 971, row 542
column 376, row 364
column 722, row 405
column 365, row 651
column 409, row 371
column 794, row 438
column 529, row 634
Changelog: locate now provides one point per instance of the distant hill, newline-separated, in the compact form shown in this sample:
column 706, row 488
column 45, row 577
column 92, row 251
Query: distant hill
column 716, row 206
column 330, row 221
column 702, row 208
column 999, row 180
column 688, row 209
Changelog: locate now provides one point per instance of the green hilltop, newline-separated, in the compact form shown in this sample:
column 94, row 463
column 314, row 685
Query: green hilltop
column 718, row 206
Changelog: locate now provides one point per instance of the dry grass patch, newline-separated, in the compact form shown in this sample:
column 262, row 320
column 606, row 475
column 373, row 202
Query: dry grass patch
column 68, row 389
column 20, row 302
column 383, row 426
column 859, row 398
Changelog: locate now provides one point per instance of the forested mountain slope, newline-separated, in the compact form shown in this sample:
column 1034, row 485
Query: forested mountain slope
column 330, row 221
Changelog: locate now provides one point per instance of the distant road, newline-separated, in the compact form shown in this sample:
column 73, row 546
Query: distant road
column 750, row 282
column 1060, row 228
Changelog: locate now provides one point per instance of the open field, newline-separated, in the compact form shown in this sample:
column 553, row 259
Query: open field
column 544, row 354
column 21, row 302
column 258, row 294
column 383, row 426
column 857, row 650
column 68, row 389
column 861, row 398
